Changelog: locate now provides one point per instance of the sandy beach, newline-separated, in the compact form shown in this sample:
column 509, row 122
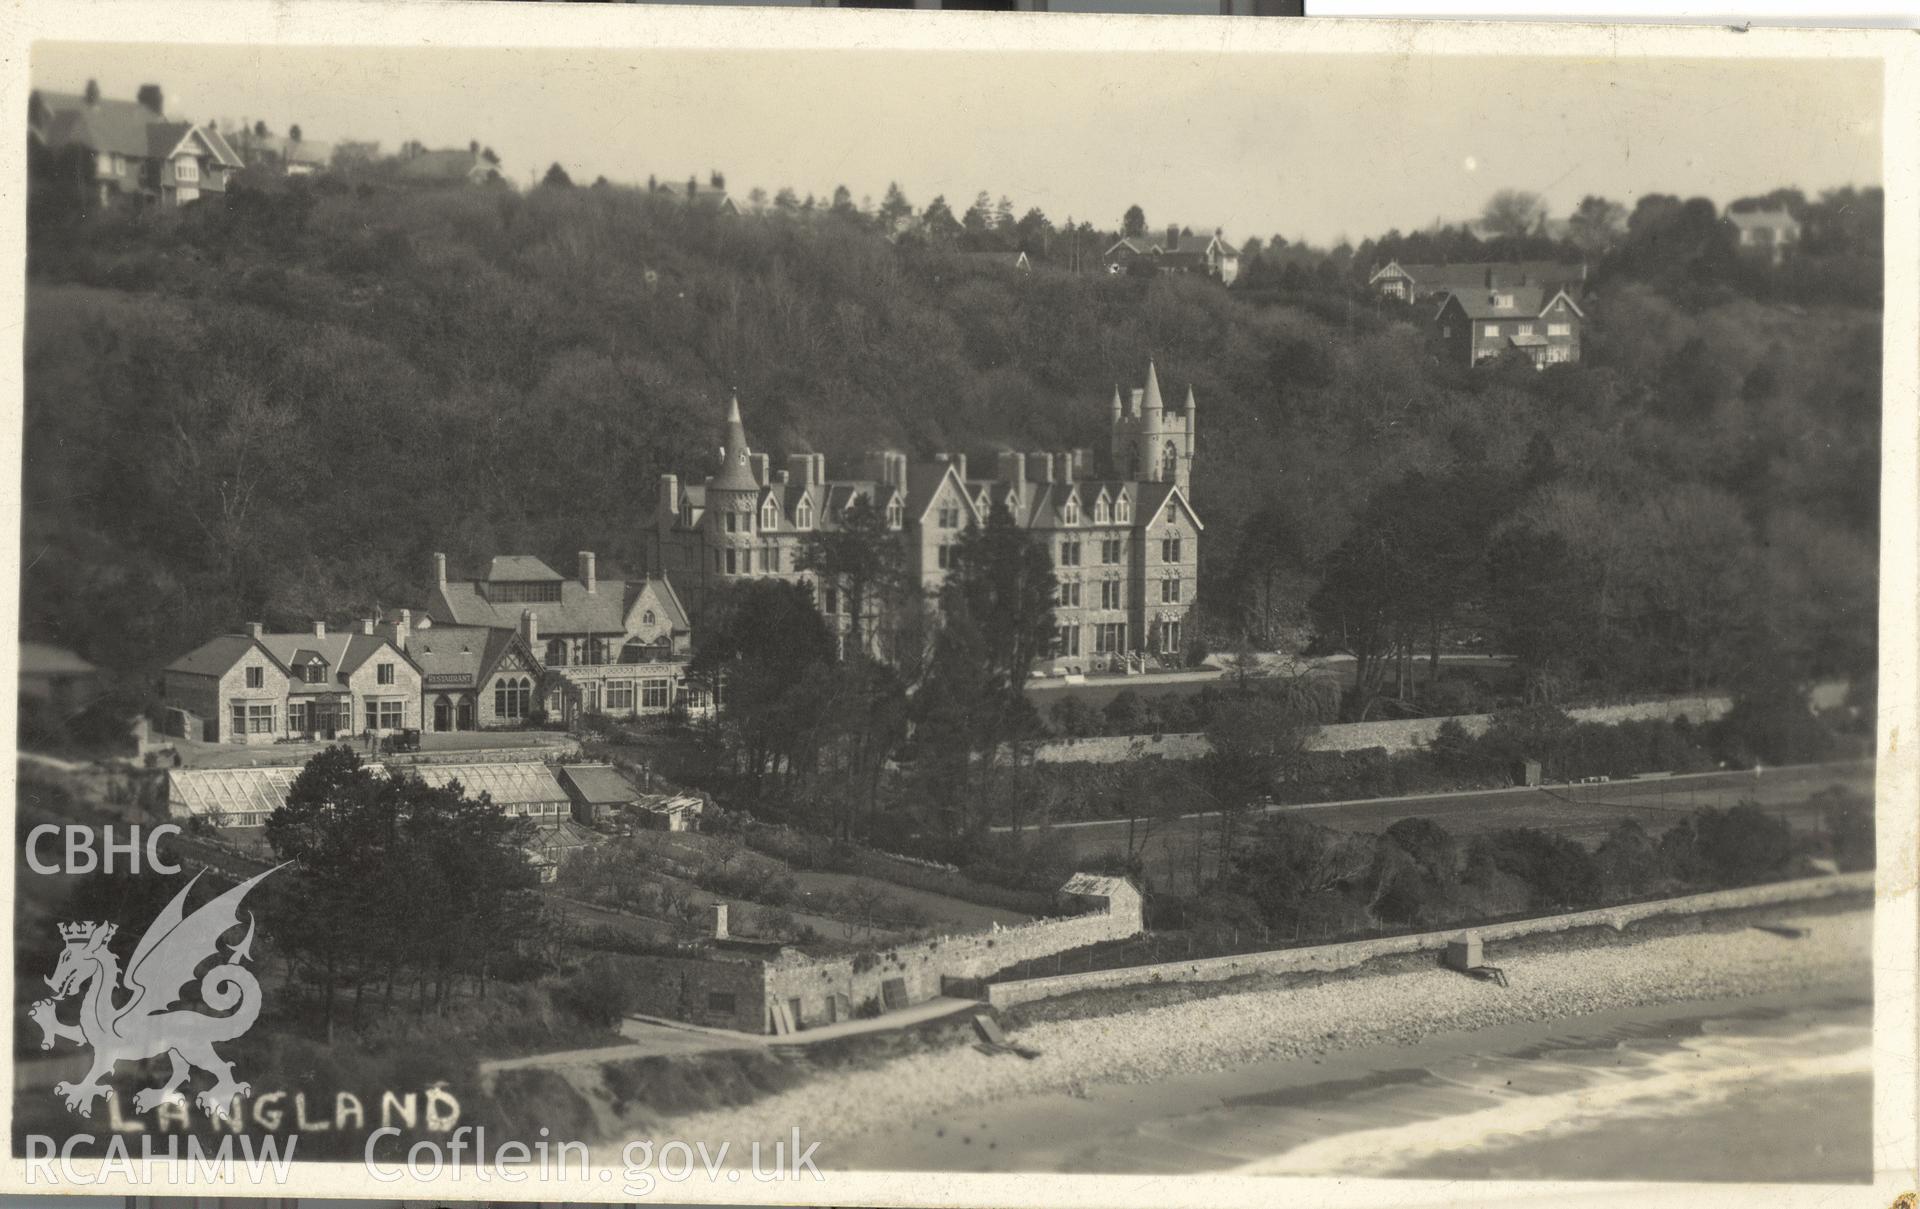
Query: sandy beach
column 1090, row 1101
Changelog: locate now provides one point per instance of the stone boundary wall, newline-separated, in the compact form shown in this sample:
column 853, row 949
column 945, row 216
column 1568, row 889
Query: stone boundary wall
column 1398, row 735
column 925, row 965
column 1353, row 953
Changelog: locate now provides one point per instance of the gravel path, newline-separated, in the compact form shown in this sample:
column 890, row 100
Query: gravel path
column 1392, row 1009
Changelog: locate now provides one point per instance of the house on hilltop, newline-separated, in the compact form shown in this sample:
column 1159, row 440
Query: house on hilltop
column 476, row 165
column 1472, row 325
column 109, row 150
column 709, row 196
column 1420, row 282
column 1767, row 234
column 1180, row 251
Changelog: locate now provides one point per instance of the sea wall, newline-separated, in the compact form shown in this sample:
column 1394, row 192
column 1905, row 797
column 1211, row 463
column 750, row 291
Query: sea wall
column 827, row 988
column 1353, row 953
column 1396, row 735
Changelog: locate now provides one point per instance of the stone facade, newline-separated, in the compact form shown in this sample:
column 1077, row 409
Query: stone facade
column 619, row 647
column 1125, row 548
column 261, row 687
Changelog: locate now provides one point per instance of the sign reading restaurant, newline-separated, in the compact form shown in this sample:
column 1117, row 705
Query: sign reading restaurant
column 450, row 680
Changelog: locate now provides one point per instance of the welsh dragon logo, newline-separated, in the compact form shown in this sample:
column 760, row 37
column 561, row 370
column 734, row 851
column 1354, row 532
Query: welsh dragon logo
column 126, row 1018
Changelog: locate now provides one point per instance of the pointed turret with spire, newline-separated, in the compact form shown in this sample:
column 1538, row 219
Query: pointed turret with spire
column 1151, row 406
column 736, row 464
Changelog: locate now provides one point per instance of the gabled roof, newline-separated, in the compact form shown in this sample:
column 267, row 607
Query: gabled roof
column 578, row 611
column 166, row 139
column 601, row 784
column 343, row 650
column 1525, row 302
column 106, row 125
column 924, row 480
column 1528, row 303
column 222, row 148
column 457, row 650
column 216, row 655
column 660, row 589
column 1154, row 500
column 520, row 569
column 1541, row 274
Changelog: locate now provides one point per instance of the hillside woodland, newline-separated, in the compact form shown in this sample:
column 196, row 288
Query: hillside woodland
column 278, row 408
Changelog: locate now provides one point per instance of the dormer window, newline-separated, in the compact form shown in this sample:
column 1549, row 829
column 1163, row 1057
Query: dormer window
column 1073, row 511
column 1503, row 301
column 1123, row 511
column 1100, row 511
column 769, row 516
column 896, row 515
column 803, row 515
column 315, row 672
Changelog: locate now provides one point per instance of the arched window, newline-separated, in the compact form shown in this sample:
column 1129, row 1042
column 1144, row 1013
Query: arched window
column 512, row 698
column 646, row 618
column 556, row 652
column 633, row 651
column 1169, row 463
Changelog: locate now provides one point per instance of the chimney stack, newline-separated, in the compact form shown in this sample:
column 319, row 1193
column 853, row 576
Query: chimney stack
column 319, row 629
column 401, row 625
column 782, row 477
column 720, row 921
column 1013, row 467
column 761, row 464
column 1065, row 466
column 1173, row 237
column 440, row 569
column 800, row 468
column 819, row 469
column 587, row 575
column 1040, row 463
column 670, row 495
column 530, row 630
column 255, row 629
column 366, row 626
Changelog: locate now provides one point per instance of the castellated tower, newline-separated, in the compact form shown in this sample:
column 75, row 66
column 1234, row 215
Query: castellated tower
column 1149, row 443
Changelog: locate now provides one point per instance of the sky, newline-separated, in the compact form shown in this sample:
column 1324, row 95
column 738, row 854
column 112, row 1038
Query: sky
column 1317, row 148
